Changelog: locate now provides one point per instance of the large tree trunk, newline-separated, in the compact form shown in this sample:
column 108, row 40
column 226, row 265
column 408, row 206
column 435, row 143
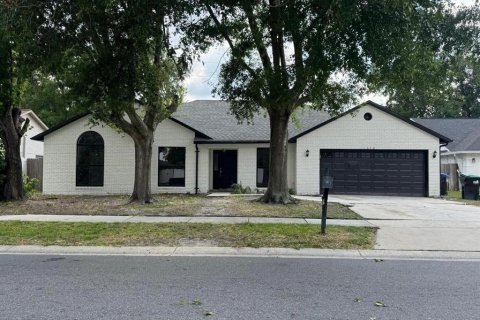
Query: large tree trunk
column 142, row 192
column 277, row 191
column 13, row 187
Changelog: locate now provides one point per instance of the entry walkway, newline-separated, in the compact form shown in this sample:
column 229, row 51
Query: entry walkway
column 150, row 219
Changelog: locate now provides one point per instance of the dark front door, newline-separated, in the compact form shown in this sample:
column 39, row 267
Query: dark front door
column 382, row 172
column 224, row 168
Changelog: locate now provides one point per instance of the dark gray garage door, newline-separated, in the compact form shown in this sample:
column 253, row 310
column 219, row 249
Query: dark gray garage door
column 382, row 172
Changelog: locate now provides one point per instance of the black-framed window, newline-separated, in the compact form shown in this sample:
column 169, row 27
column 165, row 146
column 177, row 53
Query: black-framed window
column 90, row 160
column 263, row 167
column 171, row 166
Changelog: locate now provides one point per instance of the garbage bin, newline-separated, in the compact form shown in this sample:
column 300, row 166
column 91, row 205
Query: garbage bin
column 470, row 186
column 443, row 184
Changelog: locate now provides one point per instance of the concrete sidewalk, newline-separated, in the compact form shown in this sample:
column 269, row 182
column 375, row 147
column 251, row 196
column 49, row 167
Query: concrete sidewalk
column 241, row 252
column 405, row 238
column 153, row 219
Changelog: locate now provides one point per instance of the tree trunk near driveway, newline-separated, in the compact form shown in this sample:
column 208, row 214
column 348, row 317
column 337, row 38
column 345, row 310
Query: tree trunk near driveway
column 277, row 191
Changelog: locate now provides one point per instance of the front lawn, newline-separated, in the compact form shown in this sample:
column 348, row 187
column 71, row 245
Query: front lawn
column 173, row 205
column 177, row 234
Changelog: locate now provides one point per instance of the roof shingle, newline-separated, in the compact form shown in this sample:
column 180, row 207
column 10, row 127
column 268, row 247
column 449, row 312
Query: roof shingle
column 214, row 119
column 465, row 133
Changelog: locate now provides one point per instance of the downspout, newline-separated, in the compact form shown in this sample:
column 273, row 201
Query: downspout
column 440, row 164
column 196, row 168
column 440, row 154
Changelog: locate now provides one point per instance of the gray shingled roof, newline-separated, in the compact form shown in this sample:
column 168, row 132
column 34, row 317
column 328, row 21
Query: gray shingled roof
column 213, row 122
column 213, row 118
column 465, row 133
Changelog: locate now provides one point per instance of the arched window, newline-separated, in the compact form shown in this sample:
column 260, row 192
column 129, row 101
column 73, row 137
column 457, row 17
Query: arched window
column 90, row 156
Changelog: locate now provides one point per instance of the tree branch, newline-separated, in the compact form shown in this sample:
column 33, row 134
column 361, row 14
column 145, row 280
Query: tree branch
column 23, row 128
column 136, row 122
column 235, row 52
column 297, row 39
column 258, row 38
column 126, row 127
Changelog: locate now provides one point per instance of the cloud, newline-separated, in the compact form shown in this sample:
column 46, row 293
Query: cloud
column 204, row 74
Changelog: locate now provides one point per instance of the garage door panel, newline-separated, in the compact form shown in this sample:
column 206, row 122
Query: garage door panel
column 388, row 172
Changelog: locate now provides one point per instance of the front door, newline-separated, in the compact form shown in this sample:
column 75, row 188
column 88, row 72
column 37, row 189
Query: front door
column 224, row 168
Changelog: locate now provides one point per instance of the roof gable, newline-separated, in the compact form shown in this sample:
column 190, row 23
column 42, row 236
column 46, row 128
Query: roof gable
column 33, row 115
column 442, row 138
column 212, row 122
column 41, row 136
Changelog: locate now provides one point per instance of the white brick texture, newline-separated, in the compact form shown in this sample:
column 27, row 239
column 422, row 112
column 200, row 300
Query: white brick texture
column 60, row 160
column 352, row 131
column 246, row 164
column 348, row 132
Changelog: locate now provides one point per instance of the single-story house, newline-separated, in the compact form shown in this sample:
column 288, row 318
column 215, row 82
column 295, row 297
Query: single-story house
column 462, row 155
column 203, row 148
column 31, row 149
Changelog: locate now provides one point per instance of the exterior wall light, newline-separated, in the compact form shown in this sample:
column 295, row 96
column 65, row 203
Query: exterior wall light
column 473, row 160
column 307, row 153
column 434, row 154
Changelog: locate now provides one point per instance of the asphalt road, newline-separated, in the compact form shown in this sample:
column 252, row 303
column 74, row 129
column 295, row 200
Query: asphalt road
column 112, row 287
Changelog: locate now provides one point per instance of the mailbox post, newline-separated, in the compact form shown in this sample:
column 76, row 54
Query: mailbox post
column 327, row 184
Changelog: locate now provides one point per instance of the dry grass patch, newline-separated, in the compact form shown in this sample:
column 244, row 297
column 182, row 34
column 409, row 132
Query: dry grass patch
column 167, row 204
column 173, row 205
column 174, row 234
column 248, row 207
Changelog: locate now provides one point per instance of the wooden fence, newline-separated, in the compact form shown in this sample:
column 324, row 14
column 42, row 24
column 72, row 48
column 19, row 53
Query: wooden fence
column 35, row 170
column 453, row 176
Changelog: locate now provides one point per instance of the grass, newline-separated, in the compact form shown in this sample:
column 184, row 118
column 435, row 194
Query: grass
column 185, row 205
column 174, row 234
column 247, row 207
column 172, row 205
column 457, row 196
column 454, row 195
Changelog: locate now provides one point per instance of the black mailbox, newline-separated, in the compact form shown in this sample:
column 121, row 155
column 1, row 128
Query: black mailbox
column 327, row 179
column 327, row 184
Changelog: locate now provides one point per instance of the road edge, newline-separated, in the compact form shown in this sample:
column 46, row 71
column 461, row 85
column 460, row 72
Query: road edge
column 241, row 252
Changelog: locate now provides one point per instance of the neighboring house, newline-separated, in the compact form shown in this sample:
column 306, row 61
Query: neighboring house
column 462, row 155
column 31, row 149
column 202, row 147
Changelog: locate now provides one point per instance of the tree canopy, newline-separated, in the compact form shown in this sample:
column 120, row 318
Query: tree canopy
column 18, row 59
column 119, row 60
column 450, row 86
column 324, row 54
column 50, row 99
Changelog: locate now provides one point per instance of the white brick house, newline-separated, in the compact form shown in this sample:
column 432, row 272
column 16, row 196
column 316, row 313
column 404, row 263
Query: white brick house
column 202, row 148
column 31, row 149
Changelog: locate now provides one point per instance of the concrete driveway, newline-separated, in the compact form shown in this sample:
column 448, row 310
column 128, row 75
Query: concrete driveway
column 417, row 223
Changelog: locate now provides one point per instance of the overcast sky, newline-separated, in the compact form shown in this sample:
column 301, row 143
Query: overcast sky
column 204, row 74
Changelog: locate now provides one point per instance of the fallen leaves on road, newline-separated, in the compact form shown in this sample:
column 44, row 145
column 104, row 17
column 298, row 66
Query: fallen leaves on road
column 380, row 304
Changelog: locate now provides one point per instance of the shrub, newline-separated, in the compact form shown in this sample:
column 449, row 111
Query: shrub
column 237, row 188
column 29, row 186
column 292, row 191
